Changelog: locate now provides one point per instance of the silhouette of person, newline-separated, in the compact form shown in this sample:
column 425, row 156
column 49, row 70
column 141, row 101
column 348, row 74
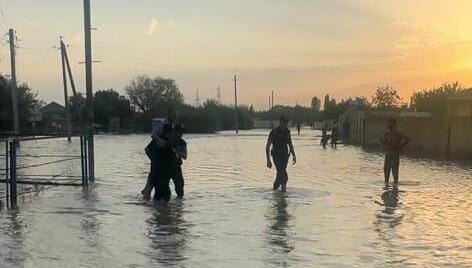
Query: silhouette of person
column 298, row 129
column 163, row 163
column 324, row 135
column 334, row 135
column 281, row 142
column 394, row 141
column 180, row 147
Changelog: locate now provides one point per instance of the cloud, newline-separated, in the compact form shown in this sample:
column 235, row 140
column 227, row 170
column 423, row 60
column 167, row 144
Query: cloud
column 152, row 26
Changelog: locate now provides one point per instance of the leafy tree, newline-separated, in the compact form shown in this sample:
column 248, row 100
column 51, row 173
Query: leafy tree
column 154, row 96
column 386, row 98
column 435, row 100
column 27, row 103
column 315, row 104
column 110, row 104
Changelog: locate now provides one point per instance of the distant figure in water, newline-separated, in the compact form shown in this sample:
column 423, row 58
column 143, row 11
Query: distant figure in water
column 324, row 135
column 298, row 129
column 394, row 141
column 163, row 164
column 180, row 147
column 281, row 142
column 334, row 135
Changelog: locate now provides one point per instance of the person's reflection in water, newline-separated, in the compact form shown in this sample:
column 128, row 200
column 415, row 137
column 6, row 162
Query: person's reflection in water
column 387, row 219
column 278, row 232
column 390, row 202
column 167, row 234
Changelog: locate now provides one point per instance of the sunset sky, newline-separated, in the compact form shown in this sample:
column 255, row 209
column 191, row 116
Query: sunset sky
column 299, row 48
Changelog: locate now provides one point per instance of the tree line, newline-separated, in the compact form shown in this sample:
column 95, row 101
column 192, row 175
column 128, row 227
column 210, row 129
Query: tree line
column 147, row 98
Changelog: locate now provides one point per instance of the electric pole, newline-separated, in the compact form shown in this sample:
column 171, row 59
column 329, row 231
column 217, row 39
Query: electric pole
column 89, row 84
column 69, row 71
column 14, row 97
column 236, row 123
column 272, row 111
column 66, row 98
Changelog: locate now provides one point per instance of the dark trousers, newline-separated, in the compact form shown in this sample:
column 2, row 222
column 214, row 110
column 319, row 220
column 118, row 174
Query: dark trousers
column 281, row 166
column 178, row 180
column 162, row 189
column 391, row 164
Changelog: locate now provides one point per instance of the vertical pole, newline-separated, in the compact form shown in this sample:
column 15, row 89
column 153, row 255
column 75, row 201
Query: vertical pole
column 13, row 188
column 89, row 85
column 272, row 111
column 236, row 123
column 14, row 98
column 69, row 71
column 66, row 98
column 7, row 171
column 86, row 159
column 82, row 167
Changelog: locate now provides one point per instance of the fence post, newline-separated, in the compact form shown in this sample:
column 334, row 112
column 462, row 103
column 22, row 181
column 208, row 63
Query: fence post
column 13, row 186
column 82, row 159
column 86, row 160
column 7, row 171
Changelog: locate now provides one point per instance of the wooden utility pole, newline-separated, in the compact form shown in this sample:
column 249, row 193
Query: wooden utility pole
column 69, row 71
column 14, row 97
column 89, row 84
column 236, row 123
column 272, row 111
column 66, row 98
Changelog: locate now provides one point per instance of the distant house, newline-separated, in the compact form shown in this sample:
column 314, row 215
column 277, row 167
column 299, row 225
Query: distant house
column 460, row 106
column 53, row 116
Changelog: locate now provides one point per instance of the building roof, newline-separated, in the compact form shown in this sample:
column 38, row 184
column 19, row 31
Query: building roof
column 52, row 107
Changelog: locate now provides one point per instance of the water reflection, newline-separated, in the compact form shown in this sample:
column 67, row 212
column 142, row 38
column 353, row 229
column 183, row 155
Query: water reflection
column 390, row 203
column 13, row 249
column 89, row 223
column 278, row 233
column 167, row 233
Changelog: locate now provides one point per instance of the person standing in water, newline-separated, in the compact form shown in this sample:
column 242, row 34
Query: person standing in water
column 180, row 147
column 324, row 135
column 281, row 142
column 334, row 135
column 163, row 163
column 299, row 127
column 394, row 141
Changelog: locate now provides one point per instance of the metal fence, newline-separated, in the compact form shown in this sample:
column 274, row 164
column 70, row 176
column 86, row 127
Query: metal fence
column 12, row 178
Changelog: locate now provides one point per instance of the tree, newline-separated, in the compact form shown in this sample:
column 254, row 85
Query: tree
column 110, row 104
column 154, row 97
column 435, row 100
column 315, row 104
column 27, row 103
column 386, row 98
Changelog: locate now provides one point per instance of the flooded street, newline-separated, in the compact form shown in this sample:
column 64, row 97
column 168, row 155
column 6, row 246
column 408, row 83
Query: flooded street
column 336, row 212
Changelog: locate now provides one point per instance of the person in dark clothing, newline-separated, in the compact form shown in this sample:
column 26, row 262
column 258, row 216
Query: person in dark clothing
column 394, row 141
column 324, row 135
column 299, row 127
column 281, row 142
column 180, row 148
column 334, row 135
column 163, row 163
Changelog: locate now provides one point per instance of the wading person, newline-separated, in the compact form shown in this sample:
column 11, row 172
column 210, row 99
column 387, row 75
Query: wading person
column 163, row 163
column 334, row 135
column 394, row 141
column 324, row 135
column 282, row 147
column 180, row 147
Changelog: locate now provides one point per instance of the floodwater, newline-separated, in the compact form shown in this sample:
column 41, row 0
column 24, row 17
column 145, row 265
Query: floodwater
column 336, row 212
